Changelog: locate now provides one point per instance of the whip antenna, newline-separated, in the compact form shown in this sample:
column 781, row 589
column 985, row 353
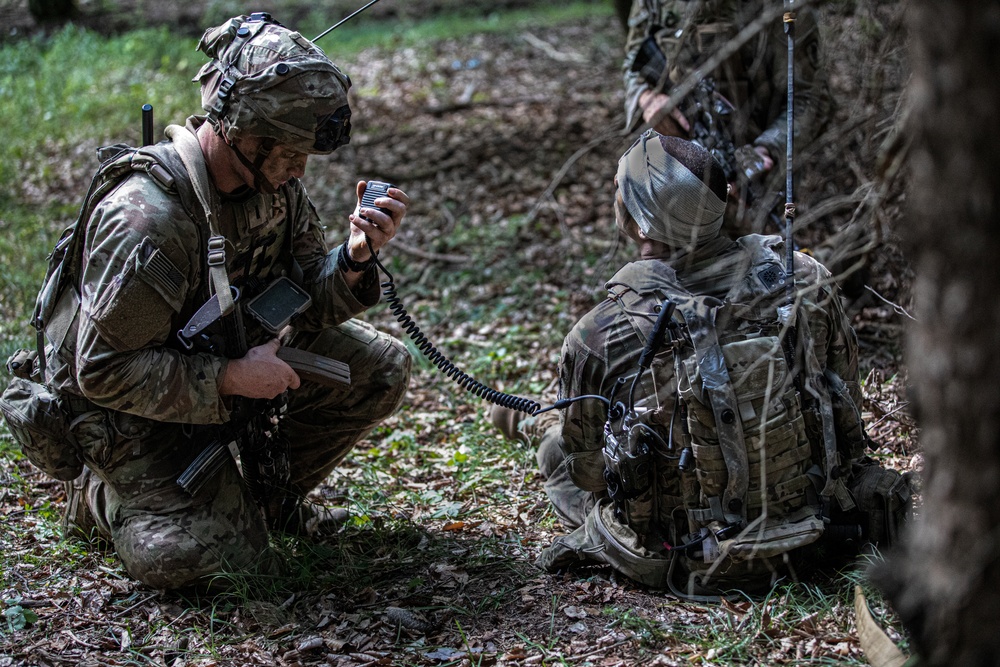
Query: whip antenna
column 343, row 20
column 789, row 22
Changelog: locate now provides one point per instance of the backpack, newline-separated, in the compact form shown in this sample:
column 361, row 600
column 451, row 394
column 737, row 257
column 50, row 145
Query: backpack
column 727, row 470
column 40, row 418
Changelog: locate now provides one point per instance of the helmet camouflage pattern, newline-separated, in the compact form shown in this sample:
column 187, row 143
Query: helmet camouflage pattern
column 267, row 81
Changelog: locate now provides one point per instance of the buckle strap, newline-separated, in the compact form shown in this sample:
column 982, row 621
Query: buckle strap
column 190, row 153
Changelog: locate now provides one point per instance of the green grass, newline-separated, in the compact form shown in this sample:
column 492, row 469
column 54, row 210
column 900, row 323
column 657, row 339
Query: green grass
column 83, row 87
column 359, row 34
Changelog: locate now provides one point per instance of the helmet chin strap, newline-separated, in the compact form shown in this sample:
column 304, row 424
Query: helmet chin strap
column 260, row 181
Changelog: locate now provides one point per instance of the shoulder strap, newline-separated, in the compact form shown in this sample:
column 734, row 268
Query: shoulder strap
column 699, row 315
column 190, row 153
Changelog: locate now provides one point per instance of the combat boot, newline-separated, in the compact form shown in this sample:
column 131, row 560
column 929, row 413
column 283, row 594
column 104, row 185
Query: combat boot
column 306, row 519
column 521, row 427
column 79, row 520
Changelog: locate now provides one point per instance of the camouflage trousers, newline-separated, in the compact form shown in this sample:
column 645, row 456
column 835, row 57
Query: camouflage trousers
column 168, row 538
column 571, row 503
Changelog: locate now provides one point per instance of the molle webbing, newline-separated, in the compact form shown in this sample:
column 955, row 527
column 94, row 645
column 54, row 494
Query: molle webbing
column 699, row 314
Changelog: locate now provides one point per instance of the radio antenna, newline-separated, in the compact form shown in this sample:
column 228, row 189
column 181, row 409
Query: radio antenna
column 342, row 21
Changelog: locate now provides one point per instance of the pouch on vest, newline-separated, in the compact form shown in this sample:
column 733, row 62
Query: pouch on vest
column 42, row 427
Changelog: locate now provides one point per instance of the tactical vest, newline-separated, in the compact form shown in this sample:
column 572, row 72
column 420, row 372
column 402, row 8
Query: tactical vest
column 733, row 460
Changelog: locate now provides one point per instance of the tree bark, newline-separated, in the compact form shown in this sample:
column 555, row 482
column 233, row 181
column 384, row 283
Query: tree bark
column 945, row 580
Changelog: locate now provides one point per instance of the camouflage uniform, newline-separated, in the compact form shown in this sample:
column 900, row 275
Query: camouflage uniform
column 143, row 403
column 730, row 449
column 604, row 346
column 754, row 80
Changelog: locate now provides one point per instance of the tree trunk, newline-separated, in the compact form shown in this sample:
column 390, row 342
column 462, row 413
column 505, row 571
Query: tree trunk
column 52, row 10
column 945, row 580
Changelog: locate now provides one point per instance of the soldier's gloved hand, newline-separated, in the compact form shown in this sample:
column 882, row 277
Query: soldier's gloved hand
column 673, row 124
column 380, row 227
column 260, row 374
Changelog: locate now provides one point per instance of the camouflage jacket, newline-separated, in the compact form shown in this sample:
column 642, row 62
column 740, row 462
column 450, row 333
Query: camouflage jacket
column 754, row 79
column 605, row 346
column 143, row 274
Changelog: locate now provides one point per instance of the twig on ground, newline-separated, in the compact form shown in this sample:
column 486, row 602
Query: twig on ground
column 553, row 52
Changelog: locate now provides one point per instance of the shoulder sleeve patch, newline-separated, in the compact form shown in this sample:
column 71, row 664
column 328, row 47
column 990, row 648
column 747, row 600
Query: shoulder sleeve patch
column 155, row 268
column 138, row 305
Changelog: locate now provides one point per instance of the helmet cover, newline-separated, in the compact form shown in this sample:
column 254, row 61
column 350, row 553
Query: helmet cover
column 668, row 202
column 264, row 80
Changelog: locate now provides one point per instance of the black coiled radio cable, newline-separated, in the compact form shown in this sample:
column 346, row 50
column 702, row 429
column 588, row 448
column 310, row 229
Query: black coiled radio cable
column 443, row 363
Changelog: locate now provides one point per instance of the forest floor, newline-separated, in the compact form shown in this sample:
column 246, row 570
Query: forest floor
column 507, row 144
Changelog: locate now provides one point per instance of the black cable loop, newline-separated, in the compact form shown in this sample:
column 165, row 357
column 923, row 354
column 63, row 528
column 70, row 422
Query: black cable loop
column 442, row 362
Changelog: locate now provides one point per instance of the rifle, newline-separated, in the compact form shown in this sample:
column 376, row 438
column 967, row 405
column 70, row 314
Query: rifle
column 710, row 115
column 253, row 426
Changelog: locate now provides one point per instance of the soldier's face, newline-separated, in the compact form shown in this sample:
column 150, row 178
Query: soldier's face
column 284, row 164
column 281, row 165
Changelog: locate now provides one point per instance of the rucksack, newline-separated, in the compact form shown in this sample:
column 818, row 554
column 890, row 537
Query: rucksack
column 735, row 484
column 41, row 419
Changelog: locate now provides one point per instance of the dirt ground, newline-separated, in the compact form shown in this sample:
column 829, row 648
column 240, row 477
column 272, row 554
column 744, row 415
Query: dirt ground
column 486, row 129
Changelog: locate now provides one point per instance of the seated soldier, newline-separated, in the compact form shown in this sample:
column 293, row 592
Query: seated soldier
column 729, row 444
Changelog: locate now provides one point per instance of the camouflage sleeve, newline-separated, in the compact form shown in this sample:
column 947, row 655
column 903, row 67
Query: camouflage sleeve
column 333, row 301
column 813, row 103
column 140, row 267
column 582, row 371
column 639, row 23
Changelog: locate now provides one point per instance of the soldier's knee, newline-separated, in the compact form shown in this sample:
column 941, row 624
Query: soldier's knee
column 165, row 554
column 391, row 374
column 398, row 361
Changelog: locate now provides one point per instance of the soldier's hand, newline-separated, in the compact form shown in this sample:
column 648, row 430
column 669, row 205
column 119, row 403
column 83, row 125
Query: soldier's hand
column 766, row 155
column 378, row 226
column 673, row 124
column 260, row 374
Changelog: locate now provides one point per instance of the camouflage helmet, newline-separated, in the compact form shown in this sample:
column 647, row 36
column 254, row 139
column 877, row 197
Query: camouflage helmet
column 267, row 81
column 668, row 202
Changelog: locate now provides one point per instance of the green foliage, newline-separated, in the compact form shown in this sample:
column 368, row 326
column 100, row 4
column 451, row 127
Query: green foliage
column 25, row 240
column 17, row 617
column 362, row 33
column 84, row 89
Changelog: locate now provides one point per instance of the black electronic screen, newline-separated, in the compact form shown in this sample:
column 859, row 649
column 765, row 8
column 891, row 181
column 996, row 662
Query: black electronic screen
column 278, row 304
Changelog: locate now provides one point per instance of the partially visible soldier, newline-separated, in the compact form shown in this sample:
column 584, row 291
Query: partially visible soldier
column 730, row 449
column 173, row 230
column 743, row 102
